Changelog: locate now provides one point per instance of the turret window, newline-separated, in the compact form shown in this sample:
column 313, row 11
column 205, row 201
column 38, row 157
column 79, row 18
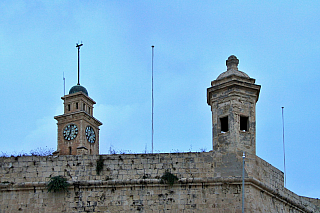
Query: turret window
column 84, row 107
column 77, row 105
column 244, row 123
column 224, row 124
column 69, row 107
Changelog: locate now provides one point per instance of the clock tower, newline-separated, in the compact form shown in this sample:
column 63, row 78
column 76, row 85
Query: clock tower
column 78, row 130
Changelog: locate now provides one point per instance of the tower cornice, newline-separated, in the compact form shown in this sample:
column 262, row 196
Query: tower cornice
column 78, row 94
column 218, row 86
column 73, row 116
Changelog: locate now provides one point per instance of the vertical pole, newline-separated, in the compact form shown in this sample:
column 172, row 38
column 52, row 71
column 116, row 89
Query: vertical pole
column 243, row 157
column 78, row 65
column 78, row 46
column 152, row 98
column 284, row 151
column 64, row 85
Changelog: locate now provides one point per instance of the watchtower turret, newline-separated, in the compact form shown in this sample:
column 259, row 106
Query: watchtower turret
column 232, row 97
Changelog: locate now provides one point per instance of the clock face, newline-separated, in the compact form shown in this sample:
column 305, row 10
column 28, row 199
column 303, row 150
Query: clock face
column 91, row 136
column 70, row 132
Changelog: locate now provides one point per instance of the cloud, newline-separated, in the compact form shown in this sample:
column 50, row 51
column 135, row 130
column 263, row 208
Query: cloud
column 125, row 127
column 43, row 135
column 13, row 8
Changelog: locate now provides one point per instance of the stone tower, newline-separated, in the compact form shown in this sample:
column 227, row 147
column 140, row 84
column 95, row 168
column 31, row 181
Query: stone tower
column 78, row 130
column 232, row 97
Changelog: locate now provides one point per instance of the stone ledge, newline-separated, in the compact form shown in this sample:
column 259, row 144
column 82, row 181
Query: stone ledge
column 282, row 194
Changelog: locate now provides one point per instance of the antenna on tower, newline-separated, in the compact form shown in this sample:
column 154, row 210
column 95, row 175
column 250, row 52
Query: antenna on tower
column 152, row 97
column 78, row 46
column 64, row 85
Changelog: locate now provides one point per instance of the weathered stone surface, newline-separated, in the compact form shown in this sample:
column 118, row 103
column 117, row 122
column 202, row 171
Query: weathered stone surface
column 78, row 111
column 233, row 96
column 207, row 180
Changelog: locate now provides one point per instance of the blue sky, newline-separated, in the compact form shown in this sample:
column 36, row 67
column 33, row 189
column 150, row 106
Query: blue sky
column 277, row 43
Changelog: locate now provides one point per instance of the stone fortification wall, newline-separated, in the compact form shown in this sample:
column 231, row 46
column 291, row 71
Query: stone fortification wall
column 267, row 179
column 264, row 172
column 138, row 166
column 132, row 183
column 315, row 201
column 117, row 167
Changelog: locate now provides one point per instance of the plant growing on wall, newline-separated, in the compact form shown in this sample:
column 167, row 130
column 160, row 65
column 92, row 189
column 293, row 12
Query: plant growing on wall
column 57, row 183
column 169, row 178
column 99, row 166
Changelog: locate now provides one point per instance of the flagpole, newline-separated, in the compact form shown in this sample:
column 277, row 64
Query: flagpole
column 152, row 99
column 284, row 151
column 243, row 157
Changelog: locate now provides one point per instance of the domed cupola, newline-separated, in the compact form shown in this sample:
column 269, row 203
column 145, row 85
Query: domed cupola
column 232, row 69
column 78, row 88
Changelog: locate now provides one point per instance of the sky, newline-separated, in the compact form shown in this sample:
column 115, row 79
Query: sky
column 277, row 43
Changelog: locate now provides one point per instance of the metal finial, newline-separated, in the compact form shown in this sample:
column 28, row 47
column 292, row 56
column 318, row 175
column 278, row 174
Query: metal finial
column 232, row 62
column 78, row 46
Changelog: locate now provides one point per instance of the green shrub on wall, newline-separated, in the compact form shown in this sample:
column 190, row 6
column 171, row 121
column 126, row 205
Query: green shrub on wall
column 169, row 178
column 57, row 183
column 99, row 165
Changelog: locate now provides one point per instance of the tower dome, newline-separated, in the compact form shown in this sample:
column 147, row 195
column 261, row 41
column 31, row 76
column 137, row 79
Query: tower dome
column 232, row 68
column 78, row 88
